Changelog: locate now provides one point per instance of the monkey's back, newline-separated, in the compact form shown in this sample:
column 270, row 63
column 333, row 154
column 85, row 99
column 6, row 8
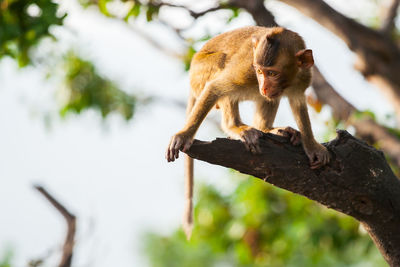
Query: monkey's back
column 233, row 48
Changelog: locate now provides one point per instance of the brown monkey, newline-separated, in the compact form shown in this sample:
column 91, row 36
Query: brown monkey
column 252, row 63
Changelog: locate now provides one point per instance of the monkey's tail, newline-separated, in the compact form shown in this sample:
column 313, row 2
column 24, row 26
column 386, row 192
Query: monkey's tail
column 188, row 211
column 187, row 222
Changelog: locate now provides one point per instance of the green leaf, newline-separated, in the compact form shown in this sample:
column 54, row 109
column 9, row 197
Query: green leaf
column 235, row 13
column 151, row 12
column 134, row 11
column 103, row 7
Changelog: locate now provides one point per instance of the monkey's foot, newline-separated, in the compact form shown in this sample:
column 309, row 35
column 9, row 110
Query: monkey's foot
column 318, row 155
column 289, row 132
column 250, row 138
column 178, row 141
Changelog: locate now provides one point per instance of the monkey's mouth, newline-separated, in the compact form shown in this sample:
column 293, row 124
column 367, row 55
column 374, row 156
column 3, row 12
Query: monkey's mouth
column 272, row 95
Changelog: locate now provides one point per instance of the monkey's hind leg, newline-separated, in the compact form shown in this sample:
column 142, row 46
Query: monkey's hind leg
column 235, row 128
column 264, row 118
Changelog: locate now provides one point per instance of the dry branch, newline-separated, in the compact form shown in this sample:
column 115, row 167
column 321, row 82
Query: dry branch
column 69, row 242
column 357, row 181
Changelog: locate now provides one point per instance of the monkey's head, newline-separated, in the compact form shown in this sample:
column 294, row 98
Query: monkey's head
column 278, row 58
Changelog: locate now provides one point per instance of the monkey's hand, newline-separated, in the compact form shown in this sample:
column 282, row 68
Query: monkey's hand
column 318, row 155
column 290, row 133
column 179, row 141
column 250, row 138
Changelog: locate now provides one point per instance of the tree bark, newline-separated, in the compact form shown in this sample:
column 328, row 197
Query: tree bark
column 358, row 181
column 366, row 128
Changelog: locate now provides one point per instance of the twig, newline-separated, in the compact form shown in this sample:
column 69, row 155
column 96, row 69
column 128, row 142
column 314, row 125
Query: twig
column 69, row 243
column 192, row 13
column 153, row 42
column 196, row 15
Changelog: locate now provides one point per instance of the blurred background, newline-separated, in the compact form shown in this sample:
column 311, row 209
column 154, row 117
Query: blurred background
column 91, row 92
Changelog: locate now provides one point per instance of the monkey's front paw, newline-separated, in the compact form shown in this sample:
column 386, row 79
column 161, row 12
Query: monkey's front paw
column 251, row 138
column 318, row 155
column 292, row 134
column 178, row 141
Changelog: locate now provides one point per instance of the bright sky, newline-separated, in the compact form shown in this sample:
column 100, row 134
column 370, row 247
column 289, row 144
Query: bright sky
column 113, row 176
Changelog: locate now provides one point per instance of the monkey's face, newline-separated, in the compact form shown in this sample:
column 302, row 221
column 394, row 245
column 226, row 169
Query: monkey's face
column 272, row 81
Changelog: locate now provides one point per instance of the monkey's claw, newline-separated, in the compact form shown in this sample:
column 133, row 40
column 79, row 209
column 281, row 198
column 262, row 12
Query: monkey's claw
column 294, row 135
column 251, row 139
column 318, row 157
column 178, row 142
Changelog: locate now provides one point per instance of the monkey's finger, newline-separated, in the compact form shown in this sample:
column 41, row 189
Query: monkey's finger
column 176, row 149
column 171, row 154
column 317, row 163
column 247, row 146
column 168, row 154
column 253, row 149
column 251, row 143
column 326, row 159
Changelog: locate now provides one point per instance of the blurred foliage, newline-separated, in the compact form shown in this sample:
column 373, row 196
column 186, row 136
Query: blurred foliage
column 364, row 114
column 150, row 10
column 86, row 89
column 6, row 258
column 260, row 225
column 23, row 23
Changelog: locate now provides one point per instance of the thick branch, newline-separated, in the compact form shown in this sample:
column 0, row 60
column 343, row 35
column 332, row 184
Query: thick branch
column 257, row 9
column 366, row 128
column 389, row 17
column 357, row 181
column 69, row 242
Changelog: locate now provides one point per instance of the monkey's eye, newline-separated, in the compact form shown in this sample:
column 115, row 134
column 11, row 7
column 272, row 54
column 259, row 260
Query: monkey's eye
column 259, row 71
column 272, row 73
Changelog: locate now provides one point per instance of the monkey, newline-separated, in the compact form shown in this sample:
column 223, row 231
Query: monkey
column 252, row 63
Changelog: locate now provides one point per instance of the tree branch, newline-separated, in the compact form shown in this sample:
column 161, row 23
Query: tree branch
column 261, row 15
column 389, row 17
column 357, row 181
column 69, row 242
column 365, row 128
column 378, row 57
column 342, row 109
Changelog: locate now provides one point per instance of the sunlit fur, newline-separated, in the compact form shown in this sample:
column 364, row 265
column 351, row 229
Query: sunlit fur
column 223, row 73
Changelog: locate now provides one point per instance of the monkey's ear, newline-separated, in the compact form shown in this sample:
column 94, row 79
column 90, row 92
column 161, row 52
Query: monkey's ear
column 254, row 41
column 305, row 58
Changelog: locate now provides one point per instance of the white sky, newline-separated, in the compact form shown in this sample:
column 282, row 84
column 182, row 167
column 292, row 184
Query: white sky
column 115, row 178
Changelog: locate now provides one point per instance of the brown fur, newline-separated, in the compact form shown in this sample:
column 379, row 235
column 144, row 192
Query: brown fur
column 252, row 63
